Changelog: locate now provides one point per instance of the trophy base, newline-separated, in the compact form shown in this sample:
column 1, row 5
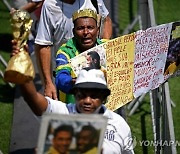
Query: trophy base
column 16, row 77
column 20, row 69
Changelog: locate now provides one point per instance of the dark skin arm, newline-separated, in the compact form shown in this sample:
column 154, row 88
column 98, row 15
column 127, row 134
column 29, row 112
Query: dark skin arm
column 43, row 54
column 107, row 28
column 34, row 99
column 31, row 6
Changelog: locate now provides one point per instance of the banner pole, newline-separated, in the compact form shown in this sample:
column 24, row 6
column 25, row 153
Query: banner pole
column 168, row 127
column 7, row 5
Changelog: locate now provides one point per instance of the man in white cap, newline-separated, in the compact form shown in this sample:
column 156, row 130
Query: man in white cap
column 90, row 92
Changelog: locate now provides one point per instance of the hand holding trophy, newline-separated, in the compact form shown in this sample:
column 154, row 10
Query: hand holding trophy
column 20, row 68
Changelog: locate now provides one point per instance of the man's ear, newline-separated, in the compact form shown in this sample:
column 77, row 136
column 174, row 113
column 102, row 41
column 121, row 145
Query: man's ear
column 104, row 98
column 73, row 31
column 53, row 140
column 98, row 31
column 75, row 92
column 95, row 61
column 95, row 141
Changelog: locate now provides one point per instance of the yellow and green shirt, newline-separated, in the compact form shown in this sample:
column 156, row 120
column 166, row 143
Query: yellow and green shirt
column 64, row 72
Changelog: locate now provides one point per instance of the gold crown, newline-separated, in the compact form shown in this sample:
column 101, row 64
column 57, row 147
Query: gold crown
column 84, row 13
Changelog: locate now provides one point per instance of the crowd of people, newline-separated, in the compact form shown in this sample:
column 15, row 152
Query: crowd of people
column 66, row 29
column 55, row 28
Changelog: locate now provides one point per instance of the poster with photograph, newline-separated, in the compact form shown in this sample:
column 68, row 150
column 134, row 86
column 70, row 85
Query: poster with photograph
column 77, row 133
column 95, row 57
column 136, row 63
column 172, row 66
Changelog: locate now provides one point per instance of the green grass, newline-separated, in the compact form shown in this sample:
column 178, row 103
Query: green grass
column 6, row 114
column 174, row 92
column 141, row 127
column 140, row 122
column 6, row 92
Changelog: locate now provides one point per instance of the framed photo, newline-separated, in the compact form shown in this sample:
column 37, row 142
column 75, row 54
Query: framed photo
column 95, row 57
column 76, row 133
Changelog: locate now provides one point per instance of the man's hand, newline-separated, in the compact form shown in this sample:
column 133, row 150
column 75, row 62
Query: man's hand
column 50, row 91
column 12, row 11
column 16, row 49
column 73, row 81
column 43, row 55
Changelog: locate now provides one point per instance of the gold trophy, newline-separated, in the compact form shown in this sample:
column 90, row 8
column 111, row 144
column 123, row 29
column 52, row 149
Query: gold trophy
column 20, row 68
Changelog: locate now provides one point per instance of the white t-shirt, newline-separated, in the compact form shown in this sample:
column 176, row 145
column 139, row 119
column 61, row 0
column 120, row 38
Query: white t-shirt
column 117, row 136
column 55, row 25
column 19, row 3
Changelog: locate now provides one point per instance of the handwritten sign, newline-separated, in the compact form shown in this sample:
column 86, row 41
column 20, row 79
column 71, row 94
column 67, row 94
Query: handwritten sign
column 150, row 57
column 120, row 63
column 138, row 62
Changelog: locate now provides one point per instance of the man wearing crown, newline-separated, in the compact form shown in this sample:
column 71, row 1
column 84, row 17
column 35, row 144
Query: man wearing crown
column 85, row 37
